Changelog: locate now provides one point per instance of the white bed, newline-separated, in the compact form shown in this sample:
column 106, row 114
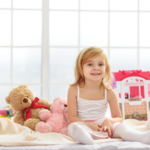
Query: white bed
column 122, row 145
column 16, row 137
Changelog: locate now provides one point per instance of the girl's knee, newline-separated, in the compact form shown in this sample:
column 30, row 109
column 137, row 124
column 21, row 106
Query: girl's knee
column 115, row 125
column 70, row 128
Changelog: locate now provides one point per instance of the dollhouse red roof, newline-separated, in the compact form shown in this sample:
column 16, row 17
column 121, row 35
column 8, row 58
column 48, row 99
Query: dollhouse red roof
column 120, row 75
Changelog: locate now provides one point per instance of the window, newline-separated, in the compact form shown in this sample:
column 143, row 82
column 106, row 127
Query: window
column 40, row 39
column 20, row 46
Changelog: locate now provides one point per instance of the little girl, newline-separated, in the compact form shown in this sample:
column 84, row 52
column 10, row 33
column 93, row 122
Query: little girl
column 88, row 99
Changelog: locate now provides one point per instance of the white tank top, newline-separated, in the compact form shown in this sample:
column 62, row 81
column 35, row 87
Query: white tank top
column 91, row 109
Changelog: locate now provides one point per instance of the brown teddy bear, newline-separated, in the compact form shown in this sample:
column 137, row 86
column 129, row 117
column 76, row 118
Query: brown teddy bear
column 22, row 100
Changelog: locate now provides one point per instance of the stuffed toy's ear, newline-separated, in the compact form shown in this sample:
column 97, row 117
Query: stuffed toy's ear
column 7, row 99
column 56, row 99
column 23, row 86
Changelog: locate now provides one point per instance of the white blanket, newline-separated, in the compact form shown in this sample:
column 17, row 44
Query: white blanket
column 12, row 134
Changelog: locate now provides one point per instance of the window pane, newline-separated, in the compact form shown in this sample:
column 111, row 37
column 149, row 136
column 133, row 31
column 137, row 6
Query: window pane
column 94, row 29
column 105, row 51
column 4, row 92
column 62, row 62
column 123, row 59
column 5, row 27
column 36, row 90
column 35, row 4
column 145, row 59
column 144, row 4
column 63, row 4
column 123, row 4
column 27, row 28
column 5, row 58
column 58, row 91
column 123, row 29
column 94, row 4
column 27, row 65
column 144, row 29
column 63, row 28
column 5, row 3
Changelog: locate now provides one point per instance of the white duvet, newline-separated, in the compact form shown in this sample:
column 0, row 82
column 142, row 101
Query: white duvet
column 12, row 134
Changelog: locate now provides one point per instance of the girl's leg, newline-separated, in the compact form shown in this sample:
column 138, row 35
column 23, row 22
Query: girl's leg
column 77, row 132
column 121, row 130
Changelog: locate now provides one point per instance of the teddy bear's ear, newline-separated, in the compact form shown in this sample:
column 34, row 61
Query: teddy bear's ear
column 23, row 86
column 7, row 99
column 56, row 99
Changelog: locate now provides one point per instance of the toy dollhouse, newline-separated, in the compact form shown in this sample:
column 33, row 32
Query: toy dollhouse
column 133, row 92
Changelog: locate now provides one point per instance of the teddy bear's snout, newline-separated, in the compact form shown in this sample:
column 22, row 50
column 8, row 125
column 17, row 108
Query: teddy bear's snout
column 25, row 100
column 65, row 105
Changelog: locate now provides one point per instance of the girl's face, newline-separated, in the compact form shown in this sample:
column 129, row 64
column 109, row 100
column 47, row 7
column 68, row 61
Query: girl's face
column 94, row 68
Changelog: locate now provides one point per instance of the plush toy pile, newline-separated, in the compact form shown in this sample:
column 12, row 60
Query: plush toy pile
column 7, row 112
column 55, row 120
column 22, row 100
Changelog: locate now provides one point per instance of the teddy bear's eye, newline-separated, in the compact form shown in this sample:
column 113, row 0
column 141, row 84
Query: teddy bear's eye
column 27, row 96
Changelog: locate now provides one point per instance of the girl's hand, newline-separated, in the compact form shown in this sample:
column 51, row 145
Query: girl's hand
column 107, row 126
column 95, row 126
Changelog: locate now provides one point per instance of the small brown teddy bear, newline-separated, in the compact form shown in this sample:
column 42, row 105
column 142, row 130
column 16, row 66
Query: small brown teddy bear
column 22, row 100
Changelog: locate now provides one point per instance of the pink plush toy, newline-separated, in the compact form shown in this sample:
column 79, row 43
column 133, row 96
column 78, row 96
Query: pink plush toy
column 55, row 120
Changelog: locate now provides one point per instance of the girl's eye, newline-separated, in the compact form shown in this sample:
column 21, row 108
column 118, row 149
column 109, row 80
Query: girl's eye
column 100, row 64
column 89, row 64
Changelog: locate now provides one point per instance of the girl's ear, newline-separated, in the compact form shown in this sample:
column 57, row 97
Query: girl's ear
column 7, row 99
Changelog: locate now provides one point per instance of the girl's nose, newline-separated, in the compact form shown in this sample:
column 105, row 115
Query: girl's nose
column 96, row 68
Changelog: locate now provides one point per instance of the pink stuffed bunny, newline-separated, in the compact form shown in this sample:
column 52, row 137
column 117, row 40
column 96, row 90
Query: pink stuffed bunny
column 55, row 120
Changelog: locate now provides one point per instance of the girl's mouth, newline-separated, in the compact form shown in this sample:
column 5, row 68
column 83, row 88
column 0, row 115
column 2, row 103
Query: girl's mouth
column 95, row 74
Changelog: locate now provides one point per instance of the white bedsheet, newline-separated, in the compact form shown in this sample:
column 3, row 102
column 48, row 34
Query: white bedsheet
column 16, row 137
column 122, row 145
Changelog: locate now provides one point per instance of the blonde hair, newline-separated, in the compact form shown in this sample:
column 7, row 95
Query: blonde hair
column 83, row 57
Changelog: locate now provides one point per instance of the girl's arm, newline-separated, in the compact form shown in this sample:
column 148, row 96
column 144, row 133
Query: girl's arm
column 72, row 109
column 114, row 106
column 72, row 104
column 115, row 112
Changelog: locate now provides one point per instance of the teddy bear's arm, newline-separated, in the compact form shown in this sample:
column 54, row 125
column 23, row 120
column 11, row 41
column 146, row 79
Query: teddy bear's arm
column 19, row 118
column 44, row 115
column 44, row 102
column 64, row 130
